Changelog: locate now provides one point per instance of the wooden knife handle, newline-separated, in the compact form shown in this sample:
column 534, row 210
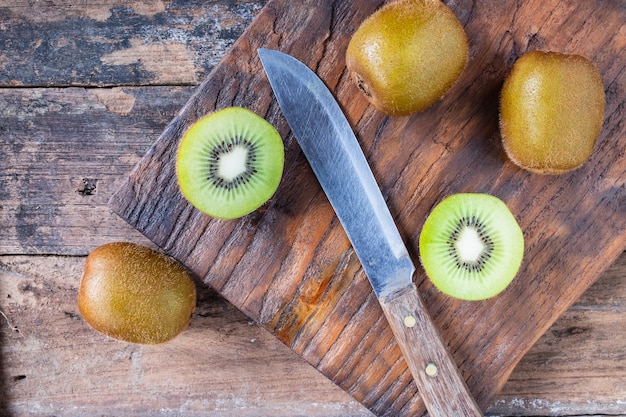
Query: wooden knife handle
column 437, row 377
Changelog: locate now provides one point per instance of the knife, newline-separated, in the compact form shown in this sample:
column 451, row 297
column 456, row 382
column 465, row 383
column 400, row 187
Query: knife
column 330, row 146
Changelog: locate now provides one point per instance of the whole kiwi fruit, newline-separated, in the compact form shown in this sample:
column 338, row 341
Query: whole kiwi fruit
column 229, row 163
column 551, row 111
column 471, row 246
column 407, row 55
column 133, row 293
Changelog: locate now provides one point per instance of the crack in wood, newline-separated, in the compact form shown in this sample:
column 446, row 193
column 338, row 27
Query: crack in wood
column 89, row 187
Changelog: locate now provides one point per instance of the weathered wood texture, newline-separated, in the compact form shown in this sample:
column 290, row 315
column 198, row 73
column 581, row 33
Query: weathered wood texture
column 577, row 366
column 64, row 152
column 571, row 362
column 222, row 365
column 130, row 67
column 290, row 266
column 225, row 365
column 113, row 42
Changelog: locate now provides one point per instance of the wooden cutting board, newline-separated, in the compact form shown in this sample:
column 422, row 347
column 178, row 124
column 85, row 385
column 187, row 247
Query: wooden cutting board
column 289, row 265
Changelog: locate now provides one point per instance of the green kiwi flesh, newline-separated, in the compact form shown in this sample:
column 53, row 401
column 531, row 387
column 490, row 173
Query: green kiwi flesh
column 471, row 246
column 230, row 163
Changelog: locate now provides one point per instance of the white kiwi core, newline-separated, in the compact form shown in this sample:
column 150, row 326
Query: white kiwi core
column 230, row 162
column 469, row 246
column 233, row 163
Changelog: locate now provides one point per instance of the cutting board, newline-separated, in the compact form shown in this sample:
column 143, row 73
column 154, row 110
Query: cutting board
column 289, row 265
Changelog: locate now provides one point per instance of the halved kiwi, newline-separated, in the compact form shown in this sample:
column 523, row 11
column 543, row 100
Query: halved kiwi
column 230, row 163
column 471, row 246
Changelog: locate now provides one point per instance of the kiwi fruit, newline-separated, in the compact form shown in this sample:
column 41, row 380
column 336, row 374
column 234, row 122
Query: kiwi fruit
column 135, row 294
column 551, row 111
column 471, row 246
column 230, row 163
column 407, row 55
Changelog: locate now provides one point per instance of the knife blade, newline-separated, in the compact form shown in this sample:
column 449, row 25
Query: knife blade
column 331, row 148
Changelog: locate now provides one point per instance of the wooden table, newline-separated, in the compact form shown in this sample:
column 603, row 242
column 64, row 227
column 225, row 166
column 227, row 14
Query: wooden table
column 86, row 88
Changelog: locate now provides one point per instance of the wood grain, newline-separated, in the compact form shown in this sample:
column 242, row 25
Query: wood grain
column 226, row 365
column 438, row 380
column 222, row 365
column 554, row 364
column 289, row 266
column 230, row 366
column 117, row 43
column 66, row 151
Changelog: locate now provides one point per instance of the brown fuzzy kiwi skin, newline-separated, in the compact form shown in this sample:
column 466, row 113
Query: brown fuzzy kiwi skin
column 135, row 294
column 407, row 55
column 551, row 112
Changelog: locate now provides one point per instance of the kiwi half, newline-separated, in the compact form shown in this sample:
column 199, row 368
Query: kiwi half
column 230, row 163
column 471, row 246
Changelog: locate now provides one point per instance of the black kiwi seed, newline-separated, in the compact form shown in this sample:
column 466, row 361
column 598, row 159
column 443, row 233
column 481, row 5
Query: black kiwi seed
column 471, row 246
column 478, row 264
column 224, row 148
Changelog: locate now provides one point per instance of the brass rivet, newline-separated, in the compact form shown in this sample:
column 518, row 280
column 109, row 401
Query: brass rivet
column 409, row 321
column 431, row 369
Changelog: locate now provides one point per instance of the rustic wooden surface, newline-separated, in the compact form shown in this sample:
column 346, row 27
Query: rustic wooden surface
column 290, row 267
column 86, row 89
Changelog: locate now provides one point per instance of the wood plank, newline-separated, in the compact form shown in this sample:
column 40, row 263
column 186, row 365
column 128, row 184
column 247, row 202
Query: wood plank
column 113, row 42
column 61, row 228
column 282, row 267
column 106, row 130
column 222, row 365
column 65, row 152
column 226, row 365
column 580, row 362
